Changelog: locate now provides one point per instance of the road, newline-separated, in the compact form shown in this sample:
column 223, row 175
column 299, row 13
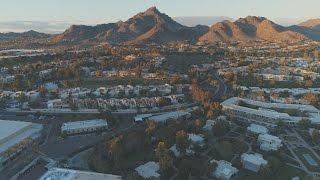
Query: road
column 219, row 92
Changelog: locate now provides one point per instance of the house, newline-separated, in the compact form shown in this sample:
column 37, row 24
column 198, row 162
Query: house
column 56, row 104
column 257, row 129
column 196, row 139
column 253, row 162
column 150, row 170
column 87, row 126
column 176, row 152
column 209, row 124
column 269, row 142
column 51, row 87
column 224, row 170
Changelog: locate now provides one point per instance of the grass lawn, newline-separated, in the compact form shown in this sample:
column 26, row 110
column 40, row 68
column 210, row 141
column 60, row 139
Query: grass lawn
column 284, row 173
column 100, row 164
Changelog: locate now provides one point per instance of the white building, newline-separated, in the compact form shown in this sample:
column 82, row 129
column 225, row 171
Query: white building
column 56, row 104
column 269, row 142
column 69, row 174
column 268, row 114
column 15, row 136
column 253, row 162
column 196, row 139
column 150, row 170
column 257, row 129
column 174, row 115
column 224, row 170
column 87, row 126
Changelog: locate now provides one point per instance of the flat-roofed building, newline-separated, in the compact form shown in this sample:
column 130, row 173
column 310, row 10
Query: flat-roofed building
column 149, row 170
column 87, row 126
column 224, row 170
column 269, row 114
column 15, row 136
column 269, row 142
column 253, row 162
column 257, row 129
column 69, row 174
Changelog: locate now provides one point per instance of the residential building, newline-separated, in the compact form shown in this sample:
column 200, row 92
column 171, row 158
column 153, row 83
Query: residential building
column 257, row 129
column 269, row 142
column 253, row 162
column 150, row 170
column 224, row 170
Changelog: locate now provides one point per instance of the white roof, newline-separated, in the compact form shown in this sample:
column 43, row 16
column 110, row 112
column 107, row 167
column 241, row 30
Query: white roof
column 256, row 159
column 84, row 124
column 265, row 109
column 225, row 170
column 69, row 174
column 269, row 137
column 257, row 129
column 149, row 170
column 13, row 132
column 8, row 128
column 196, row 138
column 169, row 115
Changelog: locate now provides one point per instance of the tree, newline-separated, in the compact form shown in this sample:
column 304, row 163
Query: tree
column 220, row 128
column 265, row 171
column 225, row 149
column 182, row 141
column 315, row 136
column 311, row 98
column 151, row 127
column 304, row 123
column 116, row 149
column 163, row 156
column 274, row 163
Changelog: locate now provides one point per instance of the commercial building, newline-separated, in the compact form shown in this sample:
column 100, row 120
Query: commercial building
column 87, row 126
column 253, row 162
column 269, row 142
column 69, row 174
column 164, row 117
column 269, row 114
column 15, row 136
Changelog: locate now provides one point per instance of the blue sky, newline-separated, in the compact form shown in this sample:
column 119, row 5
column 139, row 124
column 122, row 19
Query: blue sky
column 98, row 11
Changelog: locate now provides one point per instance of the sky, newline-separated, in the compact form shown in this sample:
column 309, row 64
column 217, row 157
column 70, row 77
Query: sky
column 103, row 11
column 112, row 10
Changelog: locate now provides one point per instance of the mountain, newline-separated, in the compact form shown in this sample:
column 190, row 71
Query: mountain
column 150, row 26
column 250, row 28
column 200, row 20
column 28, row 34
column 312, row 23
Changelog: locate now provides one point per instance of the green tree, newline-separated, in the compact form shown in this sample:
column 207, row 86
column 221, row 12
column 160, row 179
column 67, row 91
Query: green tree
column 304, row 123
column 182, row 141
column 220, row 128
column 151, row 127
column 315, row 136
column 163, row 156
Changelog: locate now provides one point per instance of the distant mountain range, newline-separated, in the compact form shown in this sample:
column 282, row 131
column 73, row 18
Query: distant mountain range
column 312, row 23
column 28, row 34
column 153, row 26
column 200, row 20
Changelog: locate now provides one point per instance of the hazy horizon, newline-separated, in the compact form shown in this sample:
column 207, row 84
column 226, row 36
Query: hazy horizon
column 55, row 16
